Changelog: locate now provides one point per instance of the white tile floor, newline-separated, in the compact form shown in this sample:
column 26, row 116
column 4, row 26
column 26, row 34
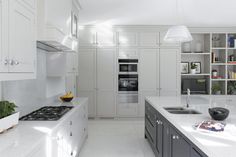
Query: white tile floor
column 116, row 138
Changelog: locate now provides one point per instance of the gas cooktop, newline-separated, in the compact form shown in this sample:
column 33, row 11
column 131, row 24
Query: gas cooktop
column 48, row 113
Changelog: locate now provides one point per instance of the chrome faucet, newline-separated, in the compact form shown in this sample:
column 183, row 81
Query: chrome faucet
column 188, row 98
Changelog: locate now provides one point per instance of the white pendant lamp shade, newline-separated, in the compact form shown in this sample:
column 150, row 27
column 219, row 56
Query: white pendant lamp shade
column 178, row 34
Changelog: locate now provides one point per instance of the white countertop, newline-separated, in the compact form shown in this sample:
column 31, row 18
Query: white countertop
column 215, row 144
column 24, row 138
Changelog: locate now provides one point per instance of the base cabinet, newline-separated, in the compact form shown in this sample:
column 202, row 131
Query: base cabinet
column 165, row 139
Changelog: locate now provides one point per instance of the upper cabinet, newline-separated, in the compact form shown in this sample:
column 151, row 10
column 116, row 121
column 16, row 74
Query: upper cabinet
column 57, row 25
column 128, row 39
column 149, row 39
column 18, row 39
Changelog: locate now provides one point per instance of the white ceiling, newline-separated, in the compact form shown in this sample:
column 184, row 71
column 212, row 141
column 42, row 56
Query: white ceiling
column 159, row 12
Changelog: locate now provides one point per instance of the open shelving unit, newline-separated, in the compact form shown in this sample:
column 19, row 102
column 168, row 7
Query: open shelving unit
column 218, row 53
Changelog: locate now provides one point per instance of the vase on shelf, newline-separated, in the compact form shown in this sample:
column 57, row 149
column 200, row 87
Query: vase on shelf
column 193, row 71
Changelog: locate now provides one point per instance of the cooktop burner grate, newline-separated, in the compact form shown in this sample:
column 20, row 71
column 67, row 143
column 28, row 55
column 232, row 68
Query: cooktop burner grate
column 48, row 113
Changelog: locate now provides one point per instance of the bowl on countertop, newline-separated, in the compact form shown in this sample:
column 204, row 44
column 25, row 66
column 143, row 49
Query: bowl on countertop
column 66, row 99
column 218, row 113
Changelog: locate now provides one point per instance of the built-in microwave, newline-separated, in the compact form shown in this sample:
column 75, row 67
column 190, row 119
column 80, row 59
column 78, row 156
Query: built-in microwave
column 196, row 85
column 128, row 66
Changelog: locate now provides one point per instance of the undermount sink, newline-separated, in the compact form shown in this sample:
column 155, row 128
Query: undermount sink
column 174, row 108
column 181, row 110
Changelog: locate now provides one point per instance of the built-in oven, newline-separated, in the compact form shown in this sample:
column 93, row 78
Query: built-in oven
column 128, row 83
column 128, row 66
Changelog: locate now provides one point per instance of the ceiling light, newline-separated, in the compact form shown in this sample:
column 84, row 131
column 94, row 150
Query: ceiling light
column 179, row 33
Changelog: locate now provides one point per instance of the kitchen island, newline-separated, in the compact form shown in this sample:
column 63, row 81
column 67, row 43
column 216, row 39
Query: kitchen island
column 174, row 135
column 61, row 138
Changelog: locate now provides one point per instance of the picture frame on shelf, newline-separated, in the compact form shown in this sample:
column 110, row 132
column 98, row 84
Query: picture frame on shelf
column 198, row 69
column 184, row 67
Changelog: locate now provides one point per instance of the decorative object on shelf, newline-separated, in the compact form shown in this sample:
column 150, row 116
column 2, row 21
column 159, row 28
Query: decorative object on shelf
column 231, row 58
column 198, row 47
column 216, row 41
column 187, row 47
column 197, row 66
column 213, row 57
column 218, row 113
column 231, row 89
column 193, row 68
column 216, row 89
column 214, row 73
column 231, row 40
column 184, row 67
column 67, row 97
column 8, row 117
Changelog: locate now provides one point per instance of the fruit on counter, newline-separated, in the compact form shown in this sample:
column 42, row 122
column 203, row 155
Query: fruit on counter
column 68, row 95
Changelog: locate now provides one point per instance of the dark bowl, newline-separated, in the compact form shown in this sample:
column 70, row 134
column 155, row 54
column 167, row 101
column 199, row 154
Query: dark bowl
column 66, row 99
column 218, row 113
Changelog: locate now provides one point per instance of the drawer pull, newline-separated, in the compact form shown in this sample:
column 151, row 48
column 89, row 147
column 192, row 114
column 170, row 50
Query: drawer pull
column 175, row 137
column 159, row 122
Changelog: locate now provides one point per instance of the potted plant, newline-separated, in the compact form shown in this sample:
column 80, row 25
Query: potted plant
column 8, row 116
column 216, row 89
column 231, row 88
column 193, row 68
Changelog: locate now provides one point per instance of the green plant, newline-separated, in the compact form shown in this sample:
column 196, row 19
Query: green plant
column 6, row 108
column 231, row 87
column 216, row 88
column 193, row 66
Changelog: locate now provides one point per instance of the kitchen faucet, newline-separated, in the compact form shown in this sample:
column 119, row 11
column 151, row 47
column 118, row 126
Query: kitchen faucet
column 188, row 98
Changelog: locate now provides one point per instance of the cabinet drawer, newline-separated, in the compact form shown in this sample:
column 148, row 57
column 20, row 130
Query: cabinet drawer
column 150, row 128
column 150, row 114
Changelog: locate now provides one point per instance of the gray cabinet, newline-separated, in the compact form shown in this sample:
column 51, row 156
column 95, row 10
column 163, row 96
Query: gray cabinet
column 178, row 146
column 165, row 139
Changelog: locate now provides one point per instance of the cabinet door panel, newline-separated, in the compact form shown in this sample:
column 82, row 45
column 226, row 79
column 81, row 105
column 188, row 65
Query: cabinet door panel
column 87, row 37
column 86, row 79
column 22, row 42
column 72, row 62
column 148, row 69
column 128, row 38
column 179, row 147
column 105, row 104
column 105, row 69
column 106, row 38
column 159, row 136
column 3, row 33
column 169, row 70
column 149, row 39
column 194, row 153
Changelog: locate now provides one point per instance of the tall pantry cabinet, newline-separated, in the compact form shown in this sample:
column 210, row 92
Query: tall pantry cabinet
column 97, row 80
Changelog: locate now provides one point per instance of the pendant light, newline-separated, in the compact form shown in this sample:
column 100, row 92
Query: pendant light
column 178, row 33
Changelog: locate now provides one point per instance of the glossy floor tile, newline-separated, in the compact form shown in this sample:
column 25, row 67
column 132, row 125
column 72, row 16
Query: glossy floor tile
column 116, row 138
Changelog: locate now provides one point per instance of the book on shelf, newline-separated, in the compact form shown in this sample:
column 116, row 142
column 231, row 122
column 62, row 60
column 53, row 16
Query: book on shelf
column 232, row 62
column 217, row 77
column 231, row 75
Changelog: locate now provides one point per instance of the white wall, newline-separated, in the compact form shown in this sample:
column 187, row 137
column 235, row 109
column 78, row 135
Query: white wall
column 31, row 94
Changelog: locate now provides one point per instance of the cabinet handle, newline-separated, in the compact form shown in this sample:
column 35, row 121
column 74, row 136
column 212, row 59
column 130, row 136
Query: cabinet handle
column 71, row 122
column 71, row 134
column 14, row 62
column 159, row 122
column 6, row 62
column 175, row 137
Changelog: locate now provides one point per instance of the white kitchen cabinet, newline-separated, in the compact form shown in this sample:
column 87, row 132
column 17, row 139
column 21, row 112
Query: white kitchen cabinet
column 127, row 109
column 106, row 37
column 18, row 35
column 87, row 78
column 106, row 82
column 128, row 53
column 149, row 69
column 87, row 37
column 128, row 39
column 148, row 39
column 72, row 63
column 169, row 72
column 105, row 103
column 167, row 44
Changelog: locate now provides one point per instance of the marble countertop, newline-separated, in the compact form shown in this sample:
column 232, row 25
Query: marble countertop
column 213, row 144
column 24, row 138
